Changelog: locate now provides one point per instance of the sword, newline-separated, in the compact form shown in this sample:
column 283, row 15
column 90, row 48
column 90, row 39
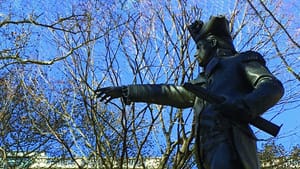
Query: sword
column 258, row 122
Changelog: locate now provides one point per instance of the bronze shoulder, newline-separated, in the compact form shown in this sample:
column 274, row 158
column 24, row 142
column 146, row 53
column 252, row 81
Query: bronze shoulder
column 250, row 56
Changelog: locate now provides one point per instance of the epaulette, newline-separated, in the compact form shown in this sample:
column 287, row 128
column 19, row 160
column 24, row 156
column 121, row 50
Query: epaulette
column 249, row 56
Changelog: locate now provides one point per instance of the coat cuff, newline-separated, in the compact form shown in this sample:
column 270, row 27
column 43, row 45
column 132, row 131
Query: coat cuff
column 125, row 95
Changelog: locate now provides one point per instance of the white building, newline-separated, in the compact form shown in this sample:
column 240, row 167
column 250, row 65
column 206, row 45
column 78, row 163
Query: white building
column 39, row 161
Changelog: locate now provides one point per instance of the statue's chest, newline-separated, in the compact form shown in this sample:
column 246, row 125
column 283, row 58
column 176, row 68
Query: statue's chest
column 224, row 75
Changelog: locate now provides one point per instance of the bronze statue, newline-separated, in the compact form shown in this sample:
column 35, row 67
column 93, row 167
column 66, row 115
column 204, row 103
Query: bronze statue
column 224, row 139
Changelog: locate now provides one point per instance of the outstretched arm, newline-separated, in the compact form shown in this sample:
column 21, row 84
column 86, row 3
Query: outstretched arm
column 172, row 95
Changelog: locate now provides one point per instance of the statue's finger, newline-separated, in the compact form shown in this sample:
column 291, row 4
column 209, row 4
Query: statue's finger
column 104, row 98
column 102, row 90
column 108, row 100
column 99, row 94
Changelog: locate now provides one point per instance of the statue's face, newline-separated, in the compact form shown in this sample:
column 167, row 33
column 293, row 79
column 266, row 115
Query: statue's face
column 204, row 51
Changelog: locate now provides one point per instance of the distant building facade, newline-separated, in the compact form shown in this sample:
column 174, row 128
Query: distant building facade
column 282, row 162
column 40, row 161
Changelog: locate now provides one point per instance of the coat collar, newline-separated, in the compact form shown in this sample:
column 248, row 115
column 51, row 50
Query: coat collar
column 214, row 62
column 210, row 67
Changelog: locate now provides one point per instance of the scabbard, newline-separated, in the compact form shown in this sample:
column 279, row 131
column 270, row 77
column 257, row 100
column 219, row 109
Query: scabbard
column 258, row 122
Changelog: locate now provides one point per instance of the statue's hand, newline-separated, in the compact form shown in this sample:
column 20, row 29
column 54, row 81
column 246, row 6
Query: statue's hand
column 235, row 109
column 108, row 93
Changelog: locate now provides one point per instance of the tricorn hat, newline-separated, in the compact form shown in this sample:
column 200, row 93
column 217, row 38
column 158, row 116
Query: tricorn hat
column 217, row 25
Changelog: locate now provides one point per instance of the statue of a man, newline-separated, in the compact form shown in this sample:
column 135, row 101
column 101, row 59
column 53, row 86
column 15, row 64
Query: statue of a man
column 224, row 139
